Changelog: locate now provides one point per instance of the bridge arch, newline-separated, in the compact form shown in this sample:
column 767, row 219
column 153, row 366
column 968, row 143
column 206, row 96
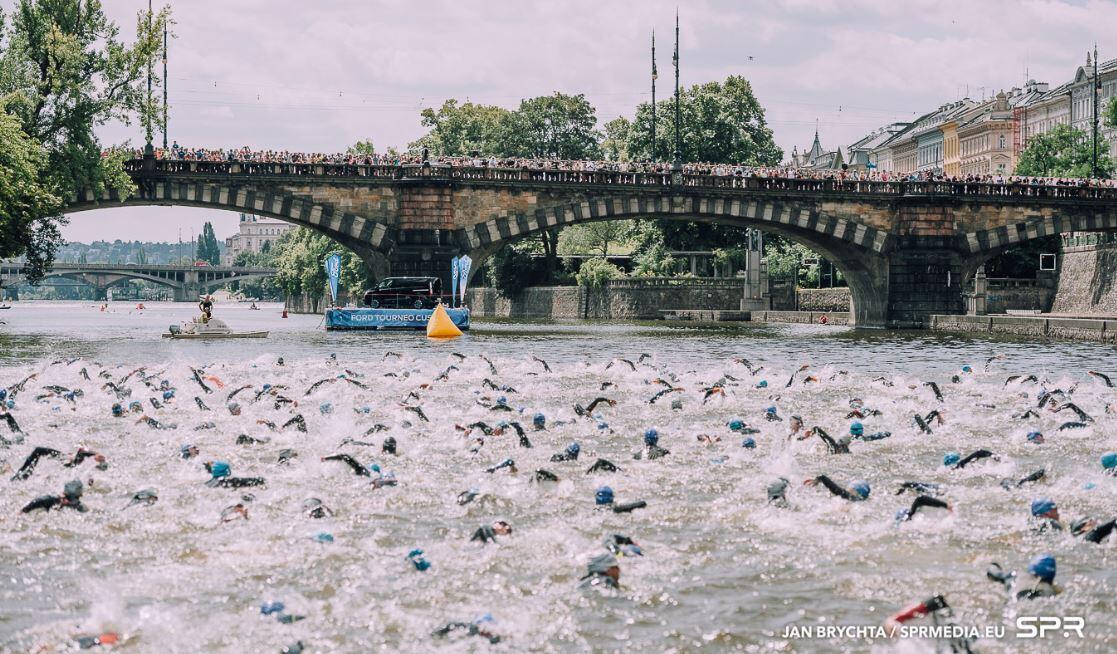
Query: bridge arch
column 370, row 238
column 857, row 250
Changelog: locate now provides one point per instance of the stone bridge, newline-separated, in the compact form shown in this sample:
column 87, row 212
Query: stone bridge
column 188, row 282
column 906, row 248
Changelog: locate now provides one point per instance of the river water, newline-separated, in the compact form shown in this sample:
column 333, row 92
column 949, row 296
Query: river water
column 722, row 570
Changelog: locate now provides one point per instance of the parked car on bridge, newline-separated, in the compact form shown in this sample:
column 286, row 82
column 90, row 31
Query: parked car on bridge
column 405, row 292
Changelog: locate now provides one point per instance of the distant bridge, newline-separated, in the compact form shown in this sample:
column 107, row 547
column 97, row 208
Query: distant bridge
column 907, row 249
column 188, row 282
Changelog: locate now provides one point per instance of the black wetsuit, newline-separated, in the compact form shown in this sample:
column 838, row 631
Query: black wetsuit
column 973, row 456
column 834, row 488
column 48, row 502
column 652, row 452
column 32, row 460
column 922, row 501
column 834, row 446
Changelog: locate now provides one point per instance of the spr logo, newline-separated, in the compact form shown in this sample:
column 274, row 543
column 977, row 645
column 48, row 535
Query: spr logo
column 1040, row 626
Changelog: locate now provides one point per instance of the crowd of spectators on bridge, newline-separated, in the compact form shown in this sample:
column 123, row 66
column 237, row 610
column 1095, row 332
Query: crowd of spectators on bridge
column 248, row 155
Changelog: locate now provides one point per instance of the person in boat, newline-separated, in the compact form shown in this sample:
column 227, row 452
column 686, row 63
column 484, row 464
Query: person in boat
column 206, row 307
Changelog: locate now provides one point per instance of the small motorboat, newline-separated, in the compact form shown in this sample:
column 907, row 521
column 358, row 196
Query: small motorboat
column 212, row 329
column 5, row 306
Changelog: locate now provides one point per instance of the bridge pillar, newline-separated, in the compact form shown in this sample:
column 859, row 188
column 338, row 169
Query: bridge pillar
column 417, row 253
column 9, row 293
column 925, row 278
column 101, row 293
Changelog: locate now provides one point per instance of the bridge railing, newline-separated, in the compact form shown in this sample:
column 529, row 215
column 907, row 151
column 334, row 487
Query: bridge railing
column 623, row 178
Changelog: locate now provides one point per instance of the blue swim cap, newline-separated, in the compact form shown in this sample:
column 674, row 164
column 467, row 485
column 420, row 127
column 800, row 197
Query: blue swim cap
column 1089, row 486
column 168, row 394
column 488, row 617
column 539, row 420
column 574, row 448
column 856, row 429
column 736, row 424
column 967, row 368
column 3, row 393
column 267, row 608
column 326, row 407
column 1035, row 437
column 651, row 436
column 763, row 384
column 364, row 408
column 604, row 495
column 267, row 387
column 1109, row 460
column 417, row 560
column 861, row 488
column 749, row 443
column 324, row 537
column 950, row 458
column 11, row 404
column 1043, row 566
column 117, row 410
column 1042, row 506
column 135, row 406
column 220, row 469
column 770, row 409
column 502, row 400
column 601, row 424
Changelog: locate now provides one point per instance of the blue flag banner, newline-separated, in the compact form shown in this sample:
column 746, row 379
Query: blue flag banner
column 453, row 280
column 333, row 272
column 463, row 272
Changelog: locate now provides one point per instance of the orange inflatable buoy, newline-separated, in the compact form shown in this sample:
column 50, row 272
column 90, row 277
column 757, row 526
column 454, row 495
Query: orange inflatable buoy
column 441, row 325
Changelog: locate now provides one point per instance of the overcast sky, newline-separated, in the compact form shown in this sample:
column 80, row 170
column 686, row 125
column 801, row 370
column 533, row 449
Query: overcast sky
column 318, row 75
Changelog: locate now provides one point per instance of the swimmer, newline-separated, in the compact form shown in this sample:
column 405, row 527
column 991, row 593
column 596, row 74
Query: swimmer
column 857, row 432
column 777, row 492
column 1009, row 484
column 651, row 450
column 1042, row 569
column 602, row 465
column 569, row 454
column 921, row 501
column 955, row 461
column 603, row 570
column 479, row 627
column 839, row 446
column 593, row 405
column 487, row 533
column 69, row 499
column 348, row 460
column 32, row 461
column 314, row 508
column 621, row 545
column 857, row 492
column 220, row 472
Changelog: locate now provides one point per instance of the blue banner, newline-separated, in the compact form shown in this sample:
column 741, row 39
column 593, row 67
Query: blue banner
column 453, row 281
column 463, row 272
column 333, row 272
column 389, row 318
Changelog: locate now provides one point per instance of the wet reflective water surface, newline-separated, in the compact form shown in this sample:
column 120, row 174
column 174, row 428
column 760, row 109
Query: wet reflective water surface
column 722, row 569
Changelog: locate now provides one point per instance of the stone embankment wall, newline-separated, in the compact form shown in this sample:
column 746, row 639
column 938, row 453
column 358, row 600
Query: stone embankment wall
column 823, row 299
column 1039, row 327
column 626, row 299
column 1087, row 280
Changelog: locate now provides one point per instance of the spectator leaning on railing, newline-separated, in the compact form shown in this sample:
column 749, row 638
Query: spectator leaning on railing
column 246, row 154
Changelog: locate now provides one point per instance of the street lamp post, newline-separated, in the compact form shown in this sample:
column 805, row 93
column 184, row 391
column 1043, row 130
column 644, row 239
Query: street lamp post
column 677, row 164
column 1094, row 149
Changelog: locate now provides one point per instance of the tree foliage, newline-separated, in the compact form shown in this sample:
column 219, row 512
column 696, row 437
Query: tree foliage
column 555, row 126
column 721, row 122
column 459, row 129
column 595, row 272
column 614, row 144
column 208, row 248
column 364, row 147
column 595, row 238
column 510, row 271
column 300, row 259
column 23, row 193
column 63, row 73
column 1111, row 114
column 1062, row 152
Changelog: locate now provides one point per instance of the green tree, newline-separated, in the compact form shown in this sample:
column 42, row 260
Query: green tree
column 555, row 126
column 141, row 256
column 457, row 130
column 721, row 123
column 64, row 72
column 300, row 257
column 364, row 147
column 24, row 193
column 595, row 237
column 595, row 272
column 510, row 271
column 614, row 145
column 1111, row 114
column 208, row 248
column 1062, row 152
